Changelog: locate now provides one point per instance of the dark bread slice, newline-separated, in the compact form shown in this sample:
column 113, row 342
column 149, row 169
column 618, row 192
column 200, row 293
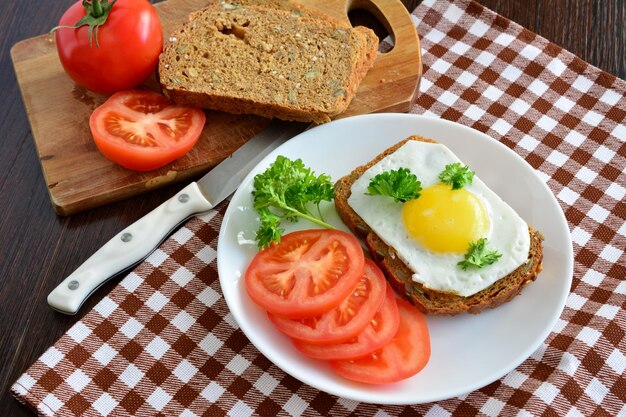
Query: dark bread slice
column 427, row 300
column 266, row 61
column 369, row 49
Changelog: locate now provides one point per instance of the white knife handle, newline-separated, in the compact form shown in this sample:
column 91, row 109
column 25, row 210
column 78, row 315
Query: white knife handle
column 127, row 248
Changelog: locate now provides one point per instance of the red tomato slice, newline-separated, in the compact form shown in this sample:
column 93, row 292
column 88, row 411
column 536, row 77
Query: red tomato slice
column 346, row 320
column 308, row 273
column 379, row 332
column 404, row 356
column 142, row 130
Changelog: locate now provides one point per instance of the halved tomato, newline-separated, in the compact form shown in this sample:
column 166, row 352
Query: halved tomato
column 405, row 355
column 346, row 320
column 307, row 274
column 379, row 331
column 142, row 130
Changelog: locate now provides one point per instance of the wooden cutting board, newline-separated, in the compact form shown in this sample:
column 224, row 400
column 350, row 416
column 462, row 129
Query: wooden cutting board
column 79, row 177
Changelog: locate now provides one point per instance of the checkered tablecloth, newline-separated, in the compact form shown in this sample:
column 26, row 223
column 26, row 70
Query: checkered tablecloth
column 164, row 343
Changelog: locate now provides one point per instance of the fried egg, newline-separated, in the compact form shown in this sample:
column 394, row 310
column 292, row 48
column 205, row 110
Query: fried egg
column 432, row 233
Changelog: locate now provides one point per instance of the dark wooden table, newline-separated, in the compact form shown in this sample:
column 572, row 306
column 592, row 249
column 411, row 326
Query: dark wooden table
column 38, row 248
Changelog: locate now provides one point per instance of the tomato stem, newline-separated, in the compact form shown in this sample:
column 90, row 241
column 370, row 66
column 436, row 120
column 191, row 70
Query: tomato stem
column 96, row 8
column 96, row 14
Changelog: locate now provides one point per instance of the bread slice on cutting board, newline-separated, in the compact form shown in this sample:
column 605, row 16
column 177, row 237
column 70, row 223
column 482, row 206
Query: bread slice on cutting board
column 293, row 64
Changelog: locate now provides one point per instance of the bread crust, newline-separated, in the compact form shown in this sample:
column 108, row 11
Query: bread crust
column 399, row 275
column 362, row 59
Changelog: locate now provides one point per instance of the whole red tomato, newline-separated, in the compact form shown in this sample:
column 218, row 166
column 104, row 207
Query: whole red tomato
column 120, row 53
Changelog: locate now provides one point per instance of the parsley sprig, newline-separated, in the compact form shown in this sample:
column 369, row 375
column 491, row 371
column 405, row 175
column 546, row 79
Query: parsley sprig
column 456, row 175
column 399, row 184
column 286, row 191
column 478, row 255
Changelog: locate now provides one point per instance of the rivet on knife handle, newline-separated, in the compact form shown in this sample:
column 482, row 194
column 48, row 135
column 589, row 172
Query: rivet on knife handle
column 127, row 248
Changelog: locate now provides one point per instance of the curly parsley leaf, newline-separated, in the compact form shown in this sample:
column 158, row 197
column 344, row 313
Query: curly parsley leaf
column 456, row 175
column 269, row 231
column 478, row 255
column 286, row 190
column 399, row 184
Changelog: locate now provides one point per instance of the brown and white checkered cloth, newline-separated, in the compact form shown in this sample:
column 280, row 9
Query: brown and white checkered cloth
column 164, row 343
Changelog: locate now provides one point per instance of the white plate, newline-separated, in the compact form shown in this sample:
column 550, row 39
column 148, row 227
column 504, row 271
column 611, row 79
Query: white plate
column 468, row 351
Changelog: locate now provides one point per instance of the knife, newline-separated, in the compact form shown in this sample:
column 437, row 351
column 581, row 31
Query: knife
column 137, row 241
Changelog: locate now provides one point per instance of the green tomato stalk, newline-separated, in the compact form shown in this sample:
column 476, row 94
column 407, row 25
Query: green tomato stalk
column 97, row 12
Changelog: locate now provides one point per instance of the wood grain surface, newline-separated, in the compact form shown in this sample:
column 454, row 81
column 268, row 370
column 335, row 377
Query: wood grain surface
column 80, row 178
column 38, row 248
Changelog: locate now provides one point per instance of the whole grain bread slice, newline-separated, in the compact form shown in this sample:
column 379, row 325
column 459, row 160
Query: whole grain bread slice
column 399, row 275
column 250, row 59
column 299, row 10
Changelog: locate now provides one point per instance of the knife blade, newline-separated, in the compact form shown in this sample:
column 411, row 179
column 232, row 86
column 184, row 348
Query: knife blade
column 133, row 244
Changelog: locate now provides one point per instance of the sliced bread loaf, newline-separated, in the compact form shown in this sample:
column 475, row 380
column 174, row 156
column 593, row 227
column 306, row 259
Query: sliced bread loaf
column 427, row 300
column 274, row 63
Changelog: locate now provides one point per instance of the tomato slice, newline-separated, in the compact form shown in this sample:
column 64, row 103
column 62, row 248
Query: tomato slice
column 379, row 332
column 142, row 130
column 346, row 320
column 405, row 355
column 308, row 273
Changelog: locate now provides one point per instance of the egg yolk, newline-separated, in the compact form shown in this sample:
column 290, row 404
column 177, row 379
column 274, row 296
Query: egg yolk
column 445, row 220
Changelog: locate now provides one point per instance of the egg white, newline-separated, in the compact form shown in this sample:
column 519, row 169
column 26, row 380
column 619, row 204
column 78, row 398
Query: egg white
column 508, row 232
